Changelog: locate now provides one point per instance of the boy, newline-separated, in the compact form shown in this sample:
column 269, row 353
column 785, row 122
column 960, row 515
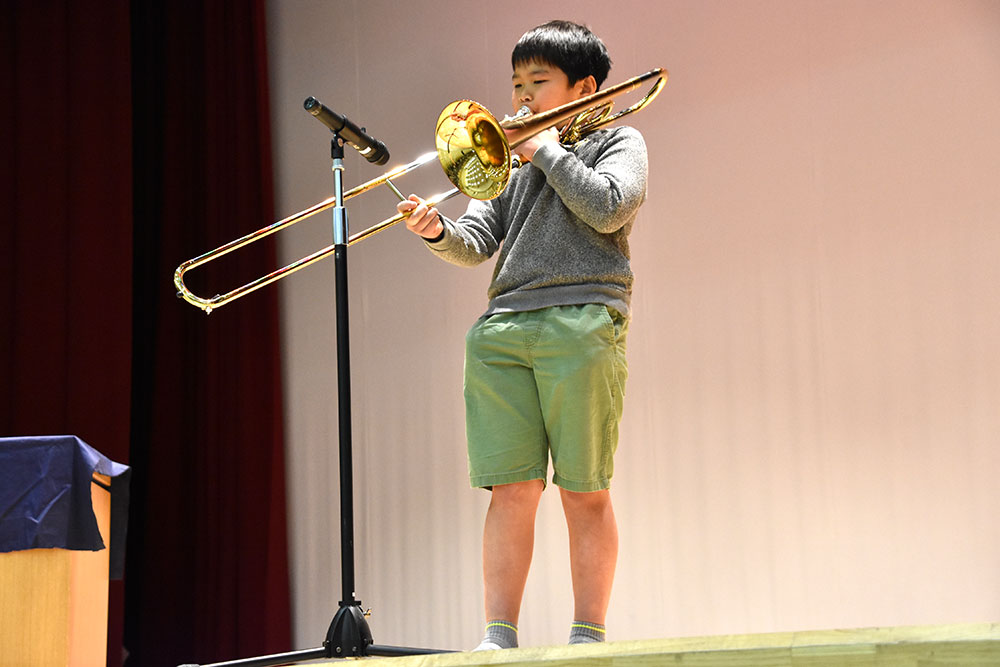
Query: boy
column 545, row 365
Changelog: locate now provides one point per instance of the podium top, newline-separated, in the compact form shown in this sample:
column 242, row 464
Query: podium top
column 45, row 500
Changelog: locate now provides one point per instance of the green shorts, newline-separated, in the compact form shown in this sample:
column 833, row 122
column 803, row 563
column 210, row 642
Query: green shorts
column 540, row 382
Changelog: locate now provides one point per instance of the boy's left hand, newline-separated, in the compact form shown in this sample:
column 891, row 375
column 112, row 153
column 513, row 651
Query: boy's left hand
column 527, row 150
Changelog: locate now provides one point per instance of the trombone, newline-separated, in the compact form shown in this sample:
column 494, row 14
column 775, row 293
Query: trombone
column 474, row 150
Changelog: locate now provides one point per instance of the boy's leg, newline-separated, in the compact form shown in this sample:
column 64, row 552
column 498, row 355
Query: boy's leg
column 508, row 541
column 508, row 453
column 580, row 370
column 593, row 551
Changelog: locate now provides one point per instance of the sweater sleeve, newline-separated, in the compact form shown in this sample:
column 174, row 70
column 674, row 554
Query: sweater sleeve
column 476, row 239
column 606, row 195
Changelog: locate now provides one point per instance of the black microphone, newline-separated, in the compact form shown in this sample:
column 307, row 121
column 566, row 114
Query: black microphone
column 370, row 147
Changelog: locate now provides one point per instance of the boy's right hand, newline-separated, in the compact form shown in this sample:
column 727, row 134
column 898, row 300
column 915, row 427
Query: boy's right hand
column 423, row 221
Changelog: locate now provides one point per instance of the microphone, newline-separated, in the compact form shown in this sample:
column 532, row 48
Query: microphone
column 371, row 148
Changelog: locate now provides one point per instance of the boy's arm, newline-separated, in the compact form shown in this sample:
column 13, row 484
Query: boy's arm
column 467, row 244
column 606, row 195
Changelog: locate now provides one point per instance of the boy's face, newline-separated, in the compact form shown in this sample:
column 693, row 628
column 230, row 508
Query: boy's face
column 541, row 87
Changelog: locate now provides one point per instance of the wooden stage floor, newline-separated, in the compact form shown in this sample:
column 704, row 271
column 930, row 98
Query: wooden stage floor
column 968, row 645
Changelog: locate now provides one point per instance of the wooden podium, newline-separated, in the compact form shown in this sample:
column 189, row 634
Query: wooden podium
column 54, row 602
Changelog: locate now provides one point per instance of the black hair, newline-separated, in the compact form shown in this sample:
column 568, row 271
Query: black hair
column 571, row 47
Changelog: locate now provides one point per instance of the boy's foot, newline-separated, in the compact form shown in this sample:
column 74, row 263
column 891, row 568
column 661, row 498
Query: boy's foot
column 499, row 634
column 582, row 632
column 487, row 645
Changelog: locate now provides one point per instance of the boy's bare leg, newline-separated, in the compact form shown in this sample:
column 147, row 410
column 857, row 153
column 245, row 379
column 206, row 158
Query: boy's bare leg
column 593, row 551
column 508, row 541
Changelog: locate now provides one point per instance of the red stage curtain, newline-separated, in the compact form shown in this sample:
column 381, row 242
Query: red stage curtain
column 66, row 235
column 137, row 136
column 207, row 429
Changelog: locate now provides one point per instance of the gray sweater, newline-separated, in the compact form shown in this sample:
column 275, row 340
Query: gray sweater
column 561, row 226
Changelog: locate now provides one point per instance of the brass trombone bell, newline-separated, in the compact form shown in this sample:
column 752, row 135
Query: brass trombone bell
column 473, row 148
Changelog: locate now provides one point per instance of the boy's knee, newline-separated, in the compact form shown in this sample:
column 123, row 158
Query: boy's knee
column 518, row 493
column 576, row 502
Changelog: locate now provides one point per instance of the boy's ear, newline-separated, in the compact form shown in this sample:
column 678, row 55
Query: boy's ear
column 588, row 86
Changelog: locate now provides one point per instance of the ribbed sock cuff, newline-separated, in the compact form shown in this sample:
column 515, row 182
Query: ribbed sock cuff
column 582, row 632
column 501, row 633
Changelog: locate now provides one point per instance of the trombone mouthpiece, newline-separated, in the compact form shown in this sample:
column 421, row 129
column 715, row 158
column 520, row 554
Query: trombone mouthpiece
column 521, row 113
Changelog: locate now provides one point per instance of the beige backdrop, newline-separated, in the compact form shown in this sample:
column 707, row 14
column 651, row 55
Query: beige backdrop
column 812, row 425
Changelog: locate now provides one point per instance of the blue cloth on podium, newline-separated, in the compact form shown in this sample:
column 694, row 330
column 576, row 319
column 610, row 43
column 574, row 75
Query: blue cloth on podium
column 45, row 498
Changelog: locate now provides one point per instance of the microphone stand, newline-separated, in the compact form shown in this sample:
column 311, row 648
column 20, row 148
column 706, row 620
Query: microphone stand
column 348, row 635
